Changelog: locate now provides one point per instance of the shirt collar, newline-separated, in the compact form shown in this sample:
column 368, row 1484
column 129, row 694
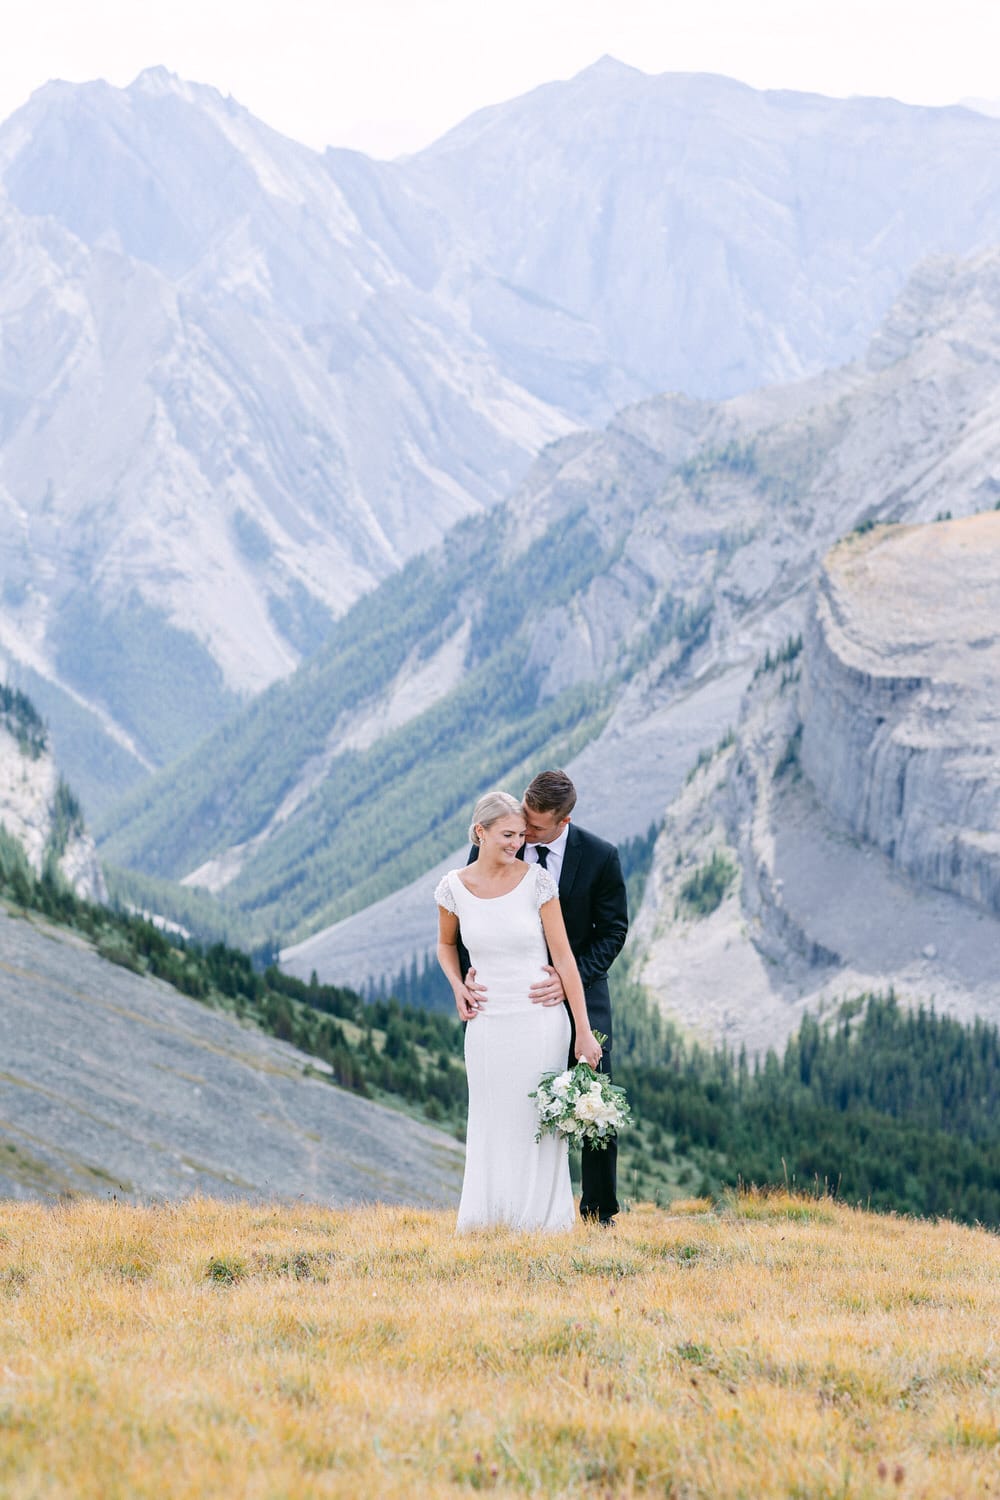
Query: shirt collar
column 558, row 846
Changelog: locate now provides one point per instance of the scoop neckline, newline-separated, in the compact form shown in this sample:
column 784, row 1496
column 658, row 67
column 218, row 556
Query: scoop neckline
column 502, row 897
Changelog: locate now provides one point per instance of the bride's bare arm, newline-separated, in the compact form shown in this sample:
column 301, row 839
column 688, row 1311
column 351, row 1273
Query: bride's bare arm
column 466, row 1002
column 586, row 1045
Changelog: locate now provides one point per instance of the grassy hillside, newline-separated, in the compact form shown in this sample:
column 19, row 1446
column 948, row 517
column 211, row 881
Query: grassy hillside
column 778, row 1347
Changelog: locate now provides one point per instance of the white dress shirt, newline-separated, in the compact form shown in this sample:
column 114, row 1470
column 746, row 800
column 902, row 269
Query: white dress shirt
column 556, row 851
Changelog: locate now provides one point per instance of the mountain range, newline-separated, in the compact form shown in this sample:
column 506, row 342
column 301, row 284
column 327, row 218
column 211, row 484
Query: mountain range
column 241, row 382
column 609, row 615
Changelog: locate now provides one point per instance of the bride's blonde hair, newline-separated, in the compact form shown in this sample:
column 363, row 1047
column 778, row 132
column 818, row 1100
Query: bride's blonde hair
column 490, row 807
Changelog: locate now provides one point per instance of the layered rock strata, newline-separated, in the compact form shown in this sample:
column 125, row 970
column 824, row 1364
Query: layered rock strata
column 900, row 698
column 858, row 806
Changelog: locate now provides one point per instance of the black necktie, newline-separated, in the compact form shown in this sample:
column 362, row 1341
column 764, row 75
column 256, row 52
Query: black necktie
column 542, row 853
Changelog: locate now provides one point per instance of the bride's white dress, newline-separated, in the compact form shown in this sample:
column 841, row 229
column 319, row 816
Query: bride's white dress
column 510, row 1178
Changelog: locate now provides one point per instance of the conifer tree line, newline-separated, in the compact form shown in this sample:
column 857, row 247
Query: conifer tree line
column 888, row 1107
column 20, row 717
column 892, row 1108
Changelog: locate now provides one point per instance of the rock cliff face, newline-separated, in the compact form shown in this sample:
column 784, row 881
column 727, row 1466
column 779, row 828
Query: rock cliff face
column 857, row 810
column 725, row 511
column 39, row 811
column 901, row 699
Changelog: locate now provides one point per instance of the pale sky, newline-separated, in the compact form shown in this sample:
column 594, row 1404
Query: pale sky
column 388, row 76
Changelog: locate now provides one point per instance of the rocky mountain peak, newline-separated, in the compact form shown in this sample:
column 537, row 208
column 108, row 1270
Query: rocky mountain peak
column 159, row 80
column 242, row 382
column 607, row 66
column 711, row 521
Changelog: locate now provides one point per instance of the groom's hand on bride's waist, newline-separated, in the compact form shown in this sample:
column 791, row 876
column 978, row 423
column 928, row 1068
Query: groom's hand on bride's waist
column 474, row 996
column 548, row 991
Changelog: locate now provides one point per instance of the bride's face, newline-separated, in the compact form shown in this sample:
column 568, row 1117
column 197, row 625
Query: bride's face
column 502, row 839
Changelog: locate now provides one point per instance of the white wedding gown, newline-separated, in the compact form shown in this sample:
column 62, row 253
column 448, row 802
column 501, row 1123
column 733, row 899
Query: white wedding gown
column 510, row 1178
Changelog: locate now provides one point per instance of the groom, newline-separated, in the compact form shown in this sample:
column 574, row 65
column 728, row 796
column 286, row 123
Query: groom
column 592, row 896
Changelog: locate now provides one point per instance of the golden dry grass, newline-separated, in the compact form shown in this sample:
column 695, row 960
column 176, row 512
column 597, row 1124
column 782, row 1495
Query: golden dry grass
column 780, row 1347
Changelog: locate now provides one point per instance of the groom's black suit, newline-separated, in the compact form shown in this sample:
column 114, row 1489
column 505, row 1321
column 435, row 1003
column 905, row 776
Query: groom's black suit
column 595, row 910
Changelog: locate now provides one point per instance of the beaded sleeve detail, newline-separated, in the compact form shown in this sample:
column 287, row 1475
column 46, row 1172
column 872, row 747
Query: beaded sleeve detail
column 545, row 886
column 444, row 895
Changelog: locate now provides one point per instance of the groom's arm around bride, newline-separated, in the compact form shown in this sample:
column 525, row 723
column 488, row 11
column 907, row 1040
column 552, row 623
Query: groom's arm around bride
column 595, row 909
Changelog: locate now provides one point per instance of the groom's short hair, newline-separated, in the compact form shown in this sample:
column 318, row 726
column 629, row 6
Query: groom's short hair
column 551, row 792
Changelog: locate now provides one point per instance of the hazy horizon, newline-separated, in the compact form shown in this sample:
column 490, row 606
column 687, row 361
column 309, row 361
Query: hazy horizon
column 393, row 78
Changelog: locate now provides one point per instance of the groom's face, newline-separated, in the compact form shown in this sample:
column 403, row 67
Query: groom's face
column 541, row 827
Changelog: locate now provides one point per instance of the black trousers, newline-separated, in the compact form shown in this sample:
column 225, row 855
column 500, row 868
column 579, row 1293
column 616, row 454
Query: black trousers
column 599, row 1167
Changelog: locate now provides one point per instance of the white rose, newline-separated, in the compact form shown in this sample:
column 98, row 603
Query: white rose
column 595, row 1109
column 561, row 1084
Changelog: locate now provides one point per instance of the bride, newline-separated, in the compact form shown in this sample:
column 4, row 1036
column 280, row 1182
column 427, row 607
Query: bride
column 507, row 912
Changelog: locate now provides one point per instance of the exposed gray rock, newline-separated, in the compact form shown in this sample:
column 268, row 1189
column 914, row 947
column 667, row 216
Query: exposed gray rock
column 224, row 410
column 114, row 1083
column 730, row 508
column 622, row 778
column 901, row 699
column 29, row 787
column 710, row 237
column 838, row 888
column 240, row 381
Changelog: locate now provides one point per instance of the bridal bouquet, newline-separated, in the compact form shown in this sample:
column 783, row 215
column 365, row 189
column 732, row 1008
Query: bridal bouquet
column 580, row 1104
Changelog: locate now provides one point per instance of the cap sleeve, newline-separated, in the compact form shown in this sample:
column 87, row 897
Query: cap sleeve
column 545, row 886
column 444, row 895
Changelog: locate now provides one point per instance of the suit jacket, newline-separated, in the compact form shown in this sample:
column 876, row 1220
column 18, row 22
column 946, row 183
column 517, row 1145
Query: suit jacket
column 595, row 909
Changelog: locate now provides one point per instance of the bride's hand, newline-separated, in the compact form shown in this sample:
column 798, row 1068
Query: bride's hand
column 588, row 1049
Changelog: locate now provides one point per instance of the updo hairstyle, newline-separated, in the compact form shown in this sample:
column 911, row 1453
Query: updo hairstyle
column 490, row 807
